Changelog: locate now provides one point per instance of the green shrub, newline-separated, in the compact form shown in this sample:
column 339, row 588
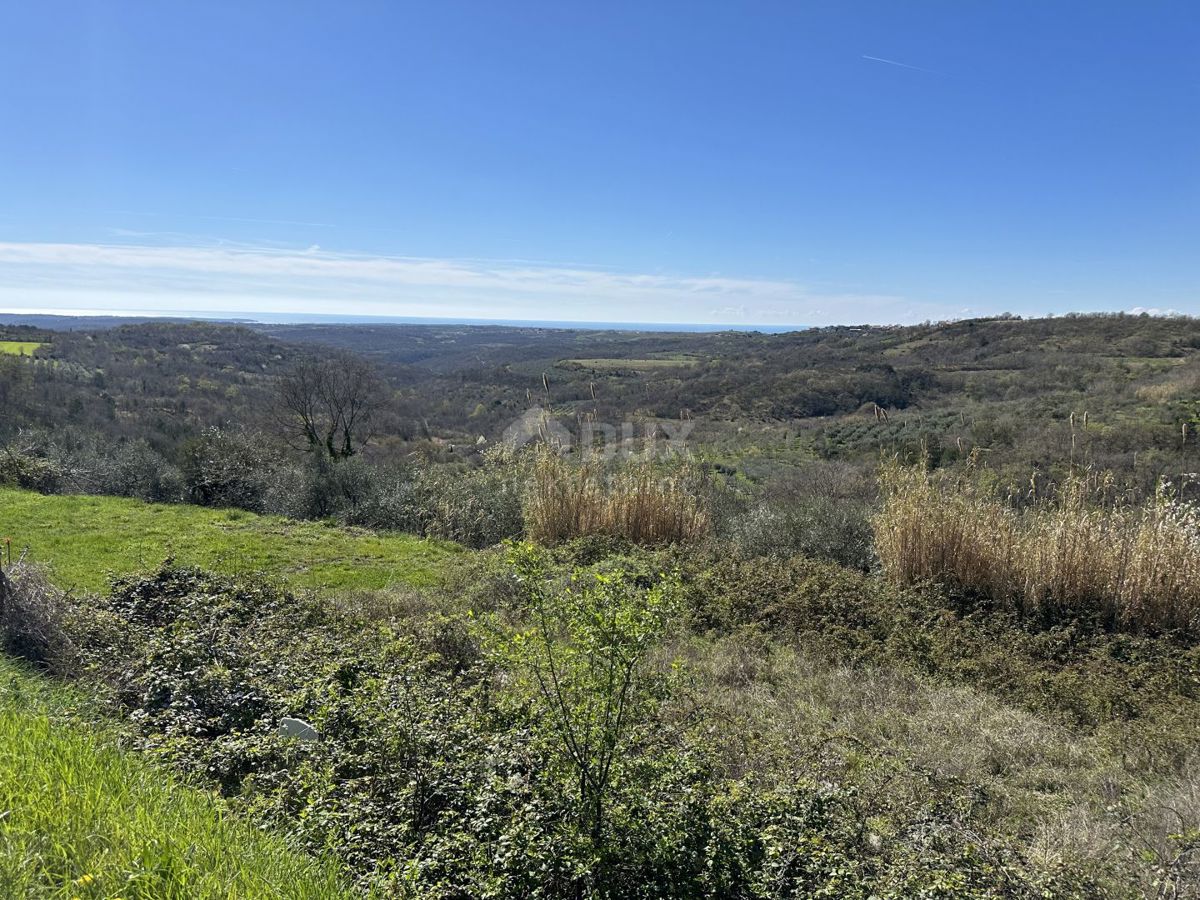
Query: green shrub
column 339, row 488
column 229, row 469
column 30, row 472
column 585, row 657
column 137, row 470
column 444, row 772
column 822, row 529
column 478, row 507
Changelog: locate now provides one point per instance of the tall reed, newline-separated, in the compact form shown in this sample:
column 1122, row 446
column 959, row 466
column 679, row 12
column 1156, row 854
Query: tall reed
column 637, row 500
column 1136, row 567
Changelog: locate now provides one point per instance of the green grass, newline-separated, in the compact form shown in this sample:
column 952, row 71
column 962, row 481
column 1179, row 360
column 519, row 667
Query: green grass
column 80, row 817
column 665, row 362
column 85, row 539
column 18, row 348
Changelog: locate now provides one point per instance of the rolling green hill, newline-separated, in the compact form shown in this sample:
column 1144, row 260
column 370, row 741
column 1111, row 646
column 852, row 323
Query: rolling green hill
column 85, row 539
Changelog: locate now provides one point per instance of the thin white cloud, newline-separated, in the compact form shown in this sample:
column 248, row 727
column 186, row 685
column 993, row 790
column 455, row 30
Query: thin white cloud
column 191, row 279
column 892, row 62
column 266, row 221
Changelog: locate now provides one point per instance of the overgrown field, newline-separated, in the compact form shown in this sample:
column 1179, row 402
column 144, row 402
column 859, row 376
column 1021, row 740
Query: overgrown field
column 85, row 539
column 623, row 723
column 81, row 816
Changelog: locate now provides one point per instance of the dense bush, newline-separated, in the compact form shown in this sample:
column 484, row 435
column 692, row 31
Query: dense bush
column 232, row 468
column 69, row 461
column 133, row 469
column 438, row 774
column 476, row 506
column 326, row 488
column 23, row 466
column 822, row 511
column 137, row 470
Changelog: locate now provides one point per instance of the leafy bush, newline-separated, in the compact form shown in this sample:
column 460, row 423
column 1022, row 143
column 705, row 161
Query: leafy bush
column 137, row 470
column 27, row 471
column 230, row 468
column 478, row 507
column 328, row 488
column 821, row 510
column 452, row 774
column 585, row 656
column 133, row 469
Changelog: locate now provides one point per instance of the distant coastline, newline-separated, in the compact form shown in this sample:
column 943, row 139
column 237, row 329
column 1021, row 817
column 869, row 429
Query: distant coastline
column 80, row 320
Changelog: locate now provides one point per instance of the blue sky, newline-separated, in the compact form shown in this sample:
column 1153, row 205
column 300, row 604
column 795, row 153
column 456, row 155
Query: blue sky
column 798, row 163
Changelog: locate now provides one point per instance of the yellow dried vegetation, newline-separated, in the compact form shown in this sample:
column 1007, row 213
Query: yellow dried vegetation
column 641, row 500
column 1080, row 552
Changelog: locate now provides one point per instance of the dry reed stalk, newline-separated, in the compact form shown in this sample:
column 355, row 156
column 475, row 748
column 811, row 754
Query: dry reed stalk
column 637, row 501
column 1136, row 567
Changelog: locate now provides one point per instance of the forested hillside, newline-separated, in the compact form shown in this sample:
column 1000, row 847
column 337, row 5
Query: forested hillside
column 1008, row 383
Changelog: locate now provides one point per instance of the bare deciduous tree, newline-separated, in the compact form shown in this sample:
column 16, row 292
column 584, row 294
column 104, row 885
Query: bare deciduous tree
column 330, row 403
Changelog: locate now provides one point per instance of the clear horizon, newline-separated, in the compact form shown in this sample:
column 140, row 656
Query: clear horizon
column 767, row 165
column 20, row 316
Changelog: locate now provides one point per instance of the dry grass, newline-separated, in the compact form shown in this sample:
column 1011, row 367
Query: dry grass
column 904, row 740
column 637, row 500
column 1136, row 567
column 1184, row 382
column 32, row 616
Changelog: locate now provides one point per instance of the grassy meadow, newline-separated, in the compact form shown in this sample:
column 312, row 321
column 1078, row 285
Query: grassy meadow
column 621, row 364
column 18, row 348
column 82, row 817
column 84, row 540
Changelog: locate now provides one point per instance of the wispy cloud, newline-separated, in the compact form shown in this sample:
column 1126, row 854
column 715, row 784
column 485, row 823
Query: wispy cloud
column 233, row 278
column 266, row 221
column 892, row 62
